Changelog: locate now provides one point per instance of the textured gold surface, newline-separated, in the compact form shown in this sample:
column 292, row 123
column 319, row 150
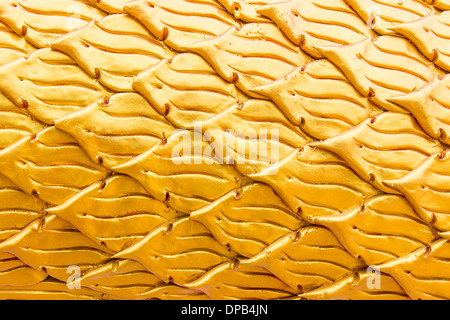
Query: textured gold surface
column 382, row 15
column 187, row 90
column 111, row 133
column 307, row 259
column 383, row 67
column 224, row 149
column 319, row 99
column 256, row 54
column 385, row 227
column 430, row 35
column 41, row 22
column 49, row 85
column 315, row 182
column 385, row 147
column 249, row 219
column 314, row 23
column 355, row 287
column 246, row 10
column 178, row 252
column 180, row 23
column 102, row 49
column 56, row 166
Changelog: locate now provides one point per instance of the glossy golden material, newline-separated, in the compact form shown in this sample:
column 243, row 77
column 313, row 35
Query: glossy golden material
column 122, row 220
column 315, row 182
column 49, row 85
column 224, row 149
column 111, row 133
column 56, row 167
column 128, row 279
column 253, row 135
column 15, row 273
column 12, row 46
column 51, row 290
column 424, row 273
column 426, row 188
column 102, row 49
column 355, row 287
column 110, row 6
column 179, row 252
column 385, row 147
column 246, row 10
column 169, row 169
column 430, row 35
column 430, row 105
column 319, row 99
column 256, row 54
column 18, row 209
column 384, row 228
column 307, row 259
column 41, row 22
column 440, row 4
column 232, row 280
column 381, row 15
column 186, row 90
column 52, row 245
column 15, row 123
column 167, row 20
column 247, row 220
column 382, row 68
column 313, row 23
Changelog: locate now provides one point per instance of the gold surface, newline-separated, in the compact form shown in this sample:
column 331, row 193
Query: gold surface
column 355, row 287
column 319, row 99
column 256, row 54
column 167, row 20
column 426, row 189
column 385, row 147
column 52, row 245
column 115, row 213
column 41, row 22
column 102, row 49
column 12, row 46
column 429, row 105
column 111, row 133
column 246, row 10
column 49, row 85
column 128, row 279
column 307, row 259
column 51, row 290
column 423, row 274
column 110, row 6
column 179, row 252
column 56, row 166
column 315, row 182
column 383, row 67
column 249, row 219
column 186, row 90
column 430, row 35
column 232, row 280
column 244, row 135
column 224, row 149
column 314, row 23
column 382, row 15
column 384, row 228
column 171, row 183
